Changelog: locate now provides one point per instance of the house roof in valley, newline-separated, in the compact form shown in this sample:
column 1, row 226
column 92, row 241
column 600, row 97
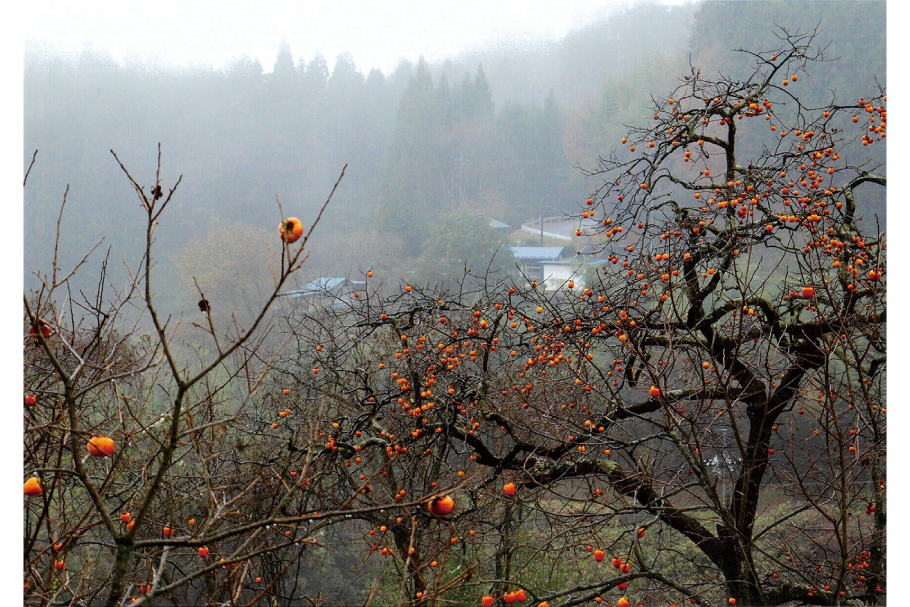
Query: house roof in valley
column 322, row 284
column 537, row 253
column 498, row 225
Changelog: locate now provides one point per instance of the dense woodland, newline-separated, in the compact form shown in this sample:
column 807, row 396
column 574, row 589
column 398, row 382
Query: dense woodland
column 500, row 133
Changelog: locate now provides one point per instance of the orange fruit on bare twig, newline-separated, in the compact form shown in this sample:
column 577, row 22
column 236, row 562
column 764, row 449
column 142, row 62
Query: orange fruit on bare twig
column 442, row 505
column 33, row 487
column 290, row 230
column 101, row 446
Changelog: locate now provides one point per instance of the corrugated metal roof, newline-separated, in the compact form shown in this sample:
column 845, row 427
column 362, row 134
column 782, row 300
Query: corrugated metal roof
column 324, row 282
column 575, row 261
column 578, row 260
column 320, row 285
column 543, row 253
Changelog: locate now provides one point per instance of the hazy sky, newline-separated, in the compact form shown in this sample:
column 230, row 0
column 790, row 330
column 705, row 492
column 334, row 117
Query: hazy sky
column 377, row 34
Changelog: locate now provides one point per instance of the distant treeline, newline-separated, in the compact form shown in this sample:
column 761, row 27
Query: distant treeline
column 499, row 134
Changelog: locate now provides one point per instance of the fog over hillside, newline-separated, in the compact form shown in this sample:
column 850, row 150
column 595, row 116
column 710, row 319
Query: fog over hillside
column 501, row 132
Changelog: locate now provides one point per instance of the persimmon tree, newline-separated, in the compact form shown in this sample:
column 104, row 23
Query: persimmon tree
column 707, row 414
column 759, row 310
column 702, row 420
column 142, row 480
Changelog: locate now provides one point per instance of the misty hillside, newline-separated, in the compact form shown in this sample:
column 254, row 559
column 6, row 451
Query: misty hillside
column 500, row 133
column 576, row 65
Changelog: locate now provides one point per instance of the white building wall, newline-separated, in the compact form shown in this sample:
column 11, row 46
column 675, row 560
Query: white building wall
column 556, row 275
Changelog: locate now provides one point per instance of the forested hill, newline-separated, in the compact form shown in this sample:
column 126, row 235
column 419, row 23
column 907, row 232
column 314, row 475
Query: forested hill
column 576, row 65
column 500, row 133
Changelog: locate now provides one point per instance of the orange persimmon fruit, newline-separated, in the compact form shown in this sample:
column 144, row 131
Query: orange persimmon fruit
column 46, row 331
column 290, row 230
column 100, row 446
column 33, row 487
column 442, row 505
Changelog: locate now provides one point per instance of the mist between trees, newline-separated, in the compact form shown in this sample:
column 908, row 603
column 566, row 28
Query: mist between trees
column 392, row 410
column 501, row 135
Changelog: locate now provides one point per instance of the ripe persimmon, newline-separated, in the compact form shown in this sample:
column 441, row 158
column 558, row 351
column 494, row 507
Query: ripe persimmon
column 100, row 446
column 442, row 505
column 46, row 331
column 290, row 230
column 33, row 487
